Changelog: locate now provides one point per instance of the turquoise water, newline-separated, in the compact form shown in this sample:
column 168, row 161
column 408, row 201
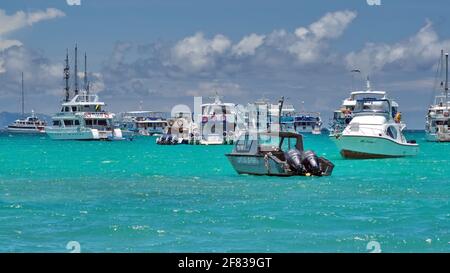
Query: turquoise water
column 140, row 197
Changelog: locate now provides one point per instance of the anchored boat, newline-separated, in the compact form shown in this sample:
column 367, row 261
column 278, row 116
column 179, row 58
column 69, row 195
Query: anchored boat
column 276, row 154
column 31, row 124
column 438, row 117
column 180, row 129
column 144, row 123
column 83, row 116
column 376, row 130
column 218, row 122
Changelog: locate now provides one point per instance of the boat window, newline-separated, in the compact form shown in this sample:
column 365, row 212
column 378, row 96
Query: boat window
column 66, row 109
column 68, row 122
column 102, row 122
column 56, row 123
column 288, row 143
column 77, row 122
column 269, row 142
column 392, row 132
column 372, row 105
column 89, row 122
column 244, row 144
column 74, row 108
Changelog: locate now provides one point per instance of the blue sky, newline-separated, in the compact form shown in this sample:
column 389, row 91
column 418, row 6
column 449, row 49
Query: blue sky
column 163, row 52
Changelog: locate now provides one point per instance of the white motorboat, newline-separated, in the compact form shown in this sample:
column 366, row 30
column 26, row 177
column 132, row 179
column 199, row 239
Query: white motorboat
column 376, row 130
column 438, row 118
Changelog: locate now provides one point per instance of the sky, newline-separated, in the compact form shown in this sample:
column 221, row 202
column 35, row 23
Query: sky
column 160, row 53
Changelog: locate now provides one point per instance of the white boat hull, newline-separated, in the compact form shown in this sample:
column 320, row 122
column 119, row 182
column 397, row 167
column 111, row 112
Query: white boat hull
column 25, row 131
column 374, row 147
column 442, row 137
column 83, row 134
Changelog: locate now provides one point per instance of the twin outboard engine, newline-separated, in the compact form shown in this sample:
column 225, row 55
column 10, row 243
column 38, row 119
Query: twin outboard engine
column 161, row 140
column 304, row 162
column 167, row 140
column 294, row 159
column 311, row 162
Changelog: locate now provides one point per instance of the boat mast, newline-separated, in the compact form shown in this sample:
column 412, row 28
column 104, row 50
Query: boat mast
column 76, row 70
column 86, row 84
column 66, row 77
column 446, row 80
column 23, row 100
column 280, row 108
column 85, row 72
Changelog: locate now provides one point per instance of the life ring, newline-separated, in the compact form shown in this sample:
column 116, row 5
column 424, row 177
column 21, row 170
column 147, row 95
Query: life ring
column 170, row 122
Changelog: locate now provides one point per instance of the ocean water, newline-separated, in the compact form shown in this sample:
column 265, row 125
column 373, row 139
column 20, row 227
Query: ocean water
column 136, row 196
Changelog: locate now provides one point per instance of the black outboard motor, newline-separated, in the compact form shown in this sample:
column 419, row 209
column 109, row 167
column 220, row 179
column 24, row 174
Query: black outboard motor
column 169, row 139
column 161, row 140
column 311, row 163
column 294, row 159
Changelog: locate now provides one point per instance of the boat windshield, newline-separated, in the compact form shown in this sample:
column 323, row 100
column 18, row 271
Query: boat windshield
column 371, row 105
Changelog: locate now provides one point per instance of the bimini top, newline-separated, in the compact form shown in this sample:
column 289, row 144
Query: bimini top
column 266, row 142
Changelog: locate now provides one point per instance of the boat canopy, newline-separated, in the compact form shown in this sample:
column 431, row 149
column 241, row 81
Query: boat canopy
column 267, row 142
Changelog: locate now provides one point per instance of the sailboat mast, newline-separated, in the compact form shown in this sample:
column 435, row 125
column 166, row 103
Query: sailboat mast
column 23, row 100
column 66, row 77
column 76, row 70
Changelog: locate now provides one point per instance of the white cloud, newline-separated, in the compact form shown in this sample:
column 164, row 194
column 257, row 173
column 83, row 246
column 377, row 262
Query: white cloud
column 422, row 49
column 332, row 25
column 311, row 41
column 10, row 23
column 248, row 44
column 4, row 44
column 197, row 52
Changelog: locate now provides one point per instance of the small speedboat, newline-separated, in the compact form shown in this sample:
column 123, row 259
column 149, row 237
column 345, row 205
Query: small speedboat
column 276, row 154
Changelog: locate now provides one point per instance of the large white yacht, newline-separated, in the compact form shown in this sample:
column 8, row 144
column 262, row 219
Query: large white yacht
column 82, row 117
column 438, row 118
column 376, row 130
column 31, row 124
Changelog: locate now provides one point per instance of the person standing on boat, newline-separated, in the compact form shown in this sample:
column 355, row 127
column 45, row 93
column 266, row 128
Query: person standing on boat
column 398, row 117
